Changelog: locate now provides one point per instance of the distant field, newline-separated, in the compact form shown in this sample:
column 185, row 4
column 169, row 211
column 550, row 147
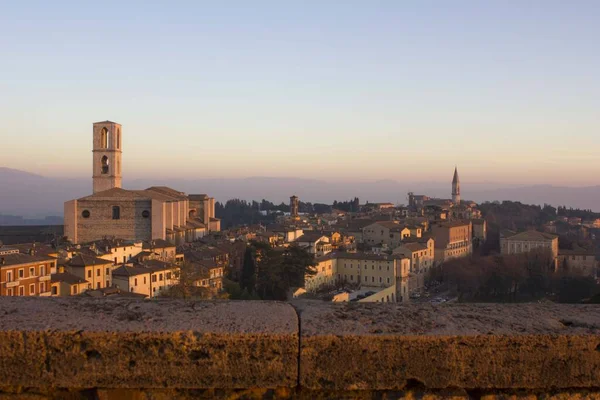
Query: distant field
column 26, row 234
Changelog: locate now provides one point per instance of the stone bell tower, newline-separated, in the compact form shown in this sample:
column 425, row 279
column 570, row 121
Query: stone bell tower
column 107, row 156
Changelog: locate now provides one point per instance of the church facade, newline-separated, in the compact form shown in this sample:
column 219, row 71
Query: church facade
column 158, row 212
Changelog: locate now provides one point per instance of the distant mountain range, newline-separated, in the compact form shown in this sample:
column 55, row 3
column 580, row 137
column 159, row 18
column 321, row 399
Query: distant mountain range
column 31, row 195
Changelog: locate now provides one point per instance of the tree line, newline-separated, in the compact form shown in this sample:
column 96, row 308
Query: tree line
column 514, row 278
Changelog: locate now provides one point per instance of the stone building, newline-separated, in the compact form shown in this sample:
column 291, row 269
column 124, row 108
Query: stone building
column 452, row 239
column 24, row 274
column 386, row 233
column 421, row 254
column 372, row 272
column 578, row 260
column 158, row 212
column 523, row 242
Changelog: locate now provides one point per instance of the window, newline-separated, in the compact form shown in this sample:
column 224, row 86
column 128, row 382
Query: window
column 115, row 260
column 124, row 259
column 351, row 277
column 21, row 290
column 118, row 139
column 135, row 282
column 372, row 279
column 104, row 138
column 160, row 277
column 89, row 273
column 380, row 280
column 116, row 212
column 107, row 271
column 153, row 278
column 9, row 276
column 32, row 289
column 144, row 280
column 54, row 290
column 21, row 274
column 366, row 278
column 104, row 165
column 42, row 287
column 98, row 272
column 75, row 289
column 42, row 270
column 85, row 214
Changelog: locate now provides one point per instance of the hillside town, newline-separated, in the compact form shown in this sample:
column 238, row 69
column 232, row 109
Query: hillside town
column 161, row 242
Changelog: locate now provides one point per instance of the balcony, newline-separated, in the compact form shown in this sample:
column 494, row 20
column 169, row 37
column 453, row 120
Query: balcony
column 44, row 278
column 46, row 294
column 12, row 284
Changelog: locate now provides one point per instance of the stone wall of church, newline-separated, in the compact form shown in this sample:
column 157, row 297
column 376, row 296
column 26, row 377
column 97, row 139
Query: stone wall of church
column 131, row 225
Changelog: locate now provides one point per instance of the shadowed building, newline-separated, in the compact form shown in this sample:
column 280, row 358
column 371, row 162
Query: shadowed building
column 158, row 212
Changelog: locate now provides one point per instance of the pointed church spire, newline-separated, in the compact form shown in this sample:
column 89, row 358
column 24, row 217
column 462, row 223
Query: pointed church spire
column 455, row 187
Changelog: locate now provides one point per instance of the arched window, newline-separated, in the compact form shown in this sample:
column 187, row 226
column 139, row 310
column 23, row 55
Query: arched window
column 104, row 138
column 104, row 164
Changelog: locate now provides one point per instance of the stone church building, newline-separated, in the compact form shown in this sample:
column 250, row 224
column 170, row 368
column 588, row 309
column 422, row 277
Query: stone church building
column 158, row 212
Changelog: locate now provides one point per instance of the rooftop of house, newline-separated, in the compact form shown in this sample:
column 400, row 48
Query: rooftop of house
column 15, row 258
column 533, row 236
column 84, row 260
column 66, row 277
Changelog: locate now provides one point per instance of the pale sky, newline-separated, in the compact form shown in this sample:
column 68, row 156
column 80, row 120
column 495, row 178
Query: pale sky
column 507, row 90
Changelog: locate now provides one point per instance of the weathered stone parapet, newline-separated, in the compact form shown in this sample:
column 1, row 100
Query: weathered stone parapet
column 80, row 343
column 498, row 347
column 155, row 349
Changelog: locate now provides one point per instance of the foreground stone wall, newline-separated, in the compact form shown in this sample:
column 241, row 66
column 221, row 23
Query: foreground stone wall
column 105, row 348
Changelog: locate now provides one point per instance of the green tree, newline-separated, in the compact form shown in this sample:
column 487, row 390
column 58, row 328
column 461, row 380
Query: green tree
column 248, row 278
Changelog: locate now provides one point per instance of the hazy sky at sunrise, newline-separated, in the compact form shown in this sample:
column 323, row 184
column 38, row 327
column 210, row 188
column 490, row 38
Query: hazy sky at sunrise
column 404, row 90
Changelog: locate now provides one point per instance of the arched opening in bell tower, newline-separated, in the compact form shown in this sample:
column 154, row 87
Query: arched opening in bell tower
column 104, row 138
column 104, row 164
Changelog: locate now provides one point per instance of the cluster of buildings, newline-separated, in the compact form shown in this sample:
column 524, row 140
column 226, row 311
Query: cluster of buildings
column 118, row 241
column 578, row 259
column 383, row 251
column 109, row 267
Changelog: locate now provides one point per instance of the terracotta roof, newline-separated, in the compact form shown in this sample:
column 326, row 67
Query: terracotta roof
column 116, row 193
column 156, row 244
column 131, row 271
column 414, row 246
column 533, row 236
column 66, row 277
column 82, row 260
column 176, row 194
column 310, row 237
column 20, row 258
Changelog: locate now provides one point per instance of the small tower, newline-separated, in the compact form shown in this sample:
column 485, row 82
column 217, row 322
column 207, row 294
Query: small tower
column 455, row 188
column 106, row 156
column 294, row 207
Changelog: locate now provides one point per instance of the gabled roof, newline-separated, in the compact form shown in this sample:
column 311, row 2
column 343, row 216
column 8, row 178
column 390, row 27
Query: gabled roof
column 116, row 193
column 124, row 270
column 310, row 237
column 156, row 244
column 414, row 246
column 176, row 194
column 533, row 236
column 82, row 260
column 66, row 277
